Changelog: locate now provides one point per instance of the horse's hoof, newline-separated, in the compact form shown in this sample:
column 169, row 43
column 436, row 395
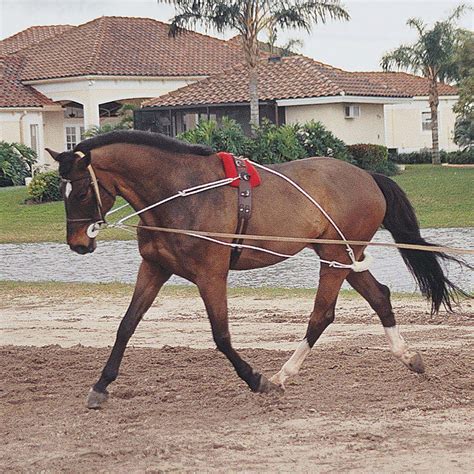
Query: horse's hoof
column 266, row 386
column 96, row 399
column 416, row 364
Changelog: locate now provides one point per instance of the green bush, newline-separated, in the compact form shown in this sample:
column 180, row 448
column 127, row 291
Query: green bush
column 226, row 136
column 465, row 156
column 275, row 144
column 16, row 161
column 369, row 156
column 44, row 187
column 318, row 141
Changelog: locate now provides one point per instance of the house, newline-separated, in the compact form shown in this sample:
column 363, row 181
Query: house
column 358, row 107
column 408, row 124
column 80, row 76
column 57, row 81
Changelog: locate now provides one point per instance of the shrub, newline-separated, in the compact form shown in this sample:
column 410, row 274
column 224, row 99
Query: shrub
column 465, row 156
column 368, row 156
column 275, row 144
column 44, row 187
column 227, row 136
column 460, row 157
column 318, row 141
column 16, row 161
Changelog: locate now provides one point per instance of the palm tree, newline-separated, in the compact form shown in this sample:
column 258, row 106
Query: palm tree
column 250, row 18
column 433, row 56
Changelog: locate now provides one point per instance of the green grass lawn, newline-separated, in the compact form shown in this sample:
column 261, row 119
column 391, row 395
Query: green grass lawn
column 442, row 197
column 21, row 222
column 68, row 291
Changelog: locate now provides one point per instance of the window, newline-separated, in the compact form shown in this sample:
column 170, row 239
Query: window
column 351, row 111
column 425, row 121
column 34, row 137
column 71, row 138
column 74, row 134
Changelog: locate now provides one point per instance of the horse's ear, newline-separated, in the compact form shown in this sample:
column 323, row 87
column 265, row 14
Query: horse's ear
column 83, row 161
column 53, row 153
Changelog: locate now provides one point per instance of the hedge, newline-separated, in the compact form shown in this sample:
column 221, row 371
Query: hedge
column 424, row 156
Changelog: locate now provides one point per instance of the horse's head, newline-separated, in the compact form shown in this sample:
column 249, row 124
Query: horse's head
column 85, row 198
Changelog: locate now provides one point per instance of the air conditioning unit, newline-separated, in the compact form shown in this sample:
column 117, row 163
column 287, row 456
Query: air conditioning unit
column 351, row 111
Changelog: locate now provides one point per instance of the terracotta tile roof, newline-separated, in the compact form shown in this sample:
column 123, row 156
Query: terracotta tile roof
column 291, row 77
column 29, row 37
column 12, row 92
column 127, row 47
column 409, row 83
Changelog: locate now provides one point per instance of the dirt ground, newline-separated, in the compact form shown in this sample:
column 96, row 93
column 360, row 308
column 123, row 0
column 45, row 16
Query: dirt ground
column 178, row 406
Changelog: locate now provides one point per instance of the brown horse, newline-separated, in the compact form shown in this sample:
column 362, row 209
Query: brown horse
column 145, row 168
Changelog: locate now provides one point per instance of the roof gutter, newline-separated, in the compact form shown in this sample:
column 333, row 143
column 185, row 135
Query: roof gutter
column 352, row 99
column 201, row 106
column 104, row 77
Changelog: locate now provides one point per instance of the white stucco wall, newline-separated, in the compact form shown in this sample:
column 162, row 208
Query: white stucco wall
column 368, row 128
column 15, row 124
column 15, row 127
column 92, row 91
column 404, row 125
column 54, row 136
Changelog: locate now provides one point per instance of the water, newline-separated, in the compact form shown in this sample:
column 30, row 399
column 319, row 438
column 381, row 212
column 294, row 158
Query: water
column 119, row 260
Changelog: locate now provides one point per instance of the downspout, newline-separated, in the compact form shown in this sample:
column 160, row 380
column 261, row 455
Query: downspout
column 22, row 116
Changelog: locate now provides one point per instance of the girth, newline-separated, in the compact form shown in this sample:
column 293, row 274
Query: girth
column 244, row 207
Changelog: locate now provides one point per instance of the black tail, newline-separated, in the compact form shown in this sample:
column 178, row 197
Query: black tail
column 400, row 220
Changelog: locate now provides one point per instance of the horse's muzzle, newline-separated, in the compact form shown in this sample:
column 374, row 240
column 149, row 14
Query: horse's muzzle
column 83, row 249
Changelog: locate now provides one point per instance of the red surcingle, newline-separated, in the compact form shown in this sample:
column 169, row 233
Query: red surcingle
column 231, row 171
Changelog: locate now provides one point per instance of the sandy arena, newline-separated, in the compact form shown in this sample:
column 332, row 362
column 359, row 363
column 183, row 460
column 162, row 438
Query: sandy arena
column 177, row 404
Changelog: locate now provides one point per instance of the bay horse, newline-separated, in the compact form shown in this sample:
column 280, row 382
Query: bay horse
column 145, row 168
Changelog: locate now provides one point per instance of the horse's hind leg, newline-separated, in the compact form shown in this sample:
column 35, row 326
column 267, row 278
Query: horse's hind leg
column 330, row 282
column 378, row 296
column 151, row 277
column 214, row 294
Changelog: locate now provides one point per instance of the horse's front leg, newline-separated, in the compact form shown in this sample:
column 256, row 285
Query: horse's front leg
column 214, row 294
column 150, row 279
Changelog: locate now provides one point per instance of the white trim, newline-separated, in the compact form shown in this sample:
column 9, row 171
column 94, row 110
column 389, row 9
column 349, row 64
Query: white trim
column 454, row 98
column 21, row 109
column 106, row 78
column 344, row 99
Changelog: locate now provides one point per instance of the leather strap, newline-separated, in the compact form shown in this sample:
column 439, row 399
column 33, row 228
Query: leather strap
column 244, row 206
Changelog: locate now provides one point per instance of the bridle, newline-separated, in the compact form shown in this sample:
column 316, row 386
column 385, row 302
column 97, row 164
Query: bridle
column 96, row 225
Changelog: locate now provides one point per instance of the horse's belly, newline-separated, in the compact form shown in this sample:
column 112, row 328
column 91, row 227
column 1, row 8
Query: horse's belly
column 251, row 259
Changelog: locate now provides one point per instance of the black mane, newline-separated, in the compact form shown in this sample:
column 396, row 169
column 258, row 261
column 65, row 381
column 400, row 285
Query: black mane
column 138, row 137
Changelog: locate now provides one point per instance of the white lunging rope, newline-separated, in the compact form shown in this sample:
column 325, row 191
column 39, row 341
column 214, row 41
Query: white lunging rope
column 302, row 191
column 185, row 192
column 355, row 266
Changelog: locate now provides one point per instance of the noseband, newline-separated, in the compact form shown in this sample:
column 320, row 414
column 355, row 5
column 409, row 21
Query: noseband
column 93, row 229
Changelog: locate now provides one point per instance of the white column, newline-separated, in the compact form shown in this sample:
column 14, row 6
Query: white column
column 91, row 114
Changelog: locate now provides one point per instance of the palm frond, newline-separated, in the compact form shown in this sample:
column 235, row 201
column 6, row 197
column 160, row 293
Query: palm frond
column 418, row 24
column 403, row 57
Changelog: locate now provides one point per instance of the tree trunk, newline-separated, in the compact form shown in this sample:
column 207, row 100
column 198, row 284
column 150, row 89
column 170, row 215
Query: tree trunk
column 434, row 102
column 253, row 94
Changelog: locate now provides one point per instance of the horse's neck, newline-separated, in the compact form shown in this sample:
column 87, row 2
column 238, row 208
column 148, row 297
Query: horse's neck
column 143, row 176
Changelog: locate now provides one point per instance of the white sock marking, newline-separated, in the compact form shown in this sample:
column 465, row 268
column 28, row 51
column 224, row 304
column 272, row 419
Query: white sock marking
column 293, row 364
column 398, row 346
